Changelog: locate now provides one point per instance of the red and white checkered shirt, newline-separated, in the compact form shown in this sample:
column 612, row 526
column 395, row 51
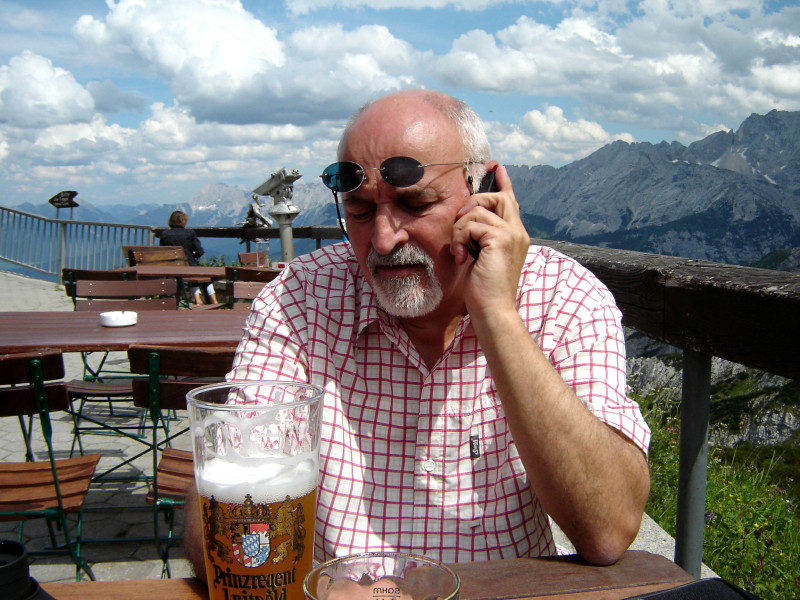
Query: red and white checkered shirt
column 422, row 460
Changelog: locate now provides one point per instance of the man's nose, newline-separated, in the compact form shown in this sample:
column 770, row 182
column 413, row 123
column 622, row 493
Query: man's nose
column 389, row 231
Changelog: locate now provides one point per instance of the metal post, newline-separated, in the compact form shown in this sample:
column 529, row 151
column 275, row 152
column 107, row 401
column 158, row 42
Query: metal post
column 693, row 463
column 287, row 239
column 62, row 249
column 279, row 186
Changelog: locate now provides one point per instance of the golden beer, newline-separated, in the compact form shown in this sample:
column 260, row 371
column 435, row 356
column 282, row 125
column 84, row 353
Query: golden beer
column 258, row 546
column 256, row 465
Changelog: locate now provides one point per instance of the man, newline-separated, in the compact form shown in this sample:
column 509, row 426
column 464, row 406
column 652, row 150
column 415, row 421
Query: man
column 466, row 399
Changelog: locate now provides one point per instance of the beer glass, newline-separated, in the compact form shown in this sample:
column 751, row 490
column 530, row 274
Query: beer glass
column 262, row 253
column 382, row 576
column 256, row 462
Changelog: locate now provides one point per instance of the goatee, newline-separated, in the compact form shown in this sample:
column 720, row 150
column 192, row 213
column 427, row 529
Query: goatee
column 405, row 296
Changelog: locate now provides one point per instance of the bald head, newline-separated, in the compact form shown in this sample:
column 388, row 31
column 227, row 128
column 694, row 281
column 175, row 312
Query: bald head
column 468, row 124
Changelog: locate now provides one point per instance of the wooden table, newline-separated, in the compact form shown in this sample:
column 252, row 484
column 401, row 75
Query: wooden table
column 82, row 332
column 565, row 577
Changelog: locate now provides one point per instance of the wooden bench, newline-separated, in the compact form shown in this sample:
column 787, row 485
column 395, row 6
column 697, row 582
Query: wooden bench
column 245, row 283
column 138, row 294
column 155, row 255
column 170, row 256
column 70, row 277
column 253, row 259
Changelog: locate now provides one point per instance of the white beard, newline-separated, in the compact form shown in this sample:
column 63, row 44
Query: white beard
column 409, row 296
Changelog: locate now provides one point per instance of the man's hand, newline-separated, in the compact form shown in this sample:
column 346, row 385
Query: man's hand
column 492, row 220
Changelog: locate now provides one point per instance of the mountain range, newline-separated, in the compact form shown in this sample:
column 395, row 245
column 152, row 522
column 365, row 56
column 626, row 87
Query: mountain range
column 732, row 197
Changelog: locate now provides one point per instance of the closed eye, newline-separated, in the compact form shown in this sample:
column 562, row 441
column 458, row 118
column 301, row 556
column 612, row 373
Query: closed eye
column 359, row 210
column 416, row 201
column 360, row 215
column 416, row 208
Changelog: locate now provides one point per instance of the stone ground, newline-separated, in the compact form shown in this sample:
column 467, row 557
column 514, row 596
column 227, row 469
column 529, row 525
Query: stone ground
column 117, row 512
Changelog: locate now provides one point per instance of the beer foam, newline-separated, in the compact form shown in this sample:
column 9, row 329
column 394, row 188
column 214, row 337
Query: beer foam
column 266, row 482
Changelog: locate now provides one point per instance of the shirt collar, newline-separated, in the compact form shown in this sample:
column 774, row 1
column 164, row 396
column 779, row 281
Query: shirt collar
column 370, row 312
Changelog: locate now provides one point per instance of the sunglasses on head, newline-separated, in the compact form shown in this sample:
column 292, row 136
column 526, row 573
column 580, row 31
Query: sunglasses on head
column 399, row 171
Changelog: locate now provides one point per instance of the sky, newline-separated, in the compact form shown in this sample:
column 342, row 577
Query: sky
column 134, row 101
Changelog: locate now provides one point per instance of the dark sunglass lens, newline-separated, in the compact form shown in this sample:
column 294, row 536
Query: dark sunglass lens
column 401, row 171
column 343, row 176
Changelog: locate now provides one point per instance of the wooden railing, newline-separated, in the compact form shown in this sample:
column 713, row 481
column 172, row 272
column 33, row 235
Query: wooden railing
column 745, row 315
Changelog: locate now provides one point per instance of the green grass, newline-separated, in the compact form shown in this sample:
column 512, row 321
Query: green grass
column 752, row 526
column 217, row 261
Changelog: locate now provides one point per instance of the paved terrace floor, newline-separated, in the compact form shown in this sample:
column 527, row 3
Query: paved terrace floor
column 118, row 510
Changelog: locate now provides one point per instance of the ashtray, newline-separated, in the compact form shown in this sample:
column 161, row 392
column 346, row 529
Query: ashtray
column 118, row 318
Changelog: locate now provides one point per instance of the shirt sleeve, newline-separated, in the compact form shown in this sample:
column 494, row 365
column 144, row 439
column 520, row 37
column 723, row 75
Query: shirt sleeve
column 272, row 346
column 197, row 247
column 581, row 333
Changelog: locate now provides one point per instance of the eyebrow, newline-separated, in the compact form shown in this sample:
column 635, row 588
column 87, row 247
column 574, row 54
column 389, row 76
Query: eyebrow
column 409, row 194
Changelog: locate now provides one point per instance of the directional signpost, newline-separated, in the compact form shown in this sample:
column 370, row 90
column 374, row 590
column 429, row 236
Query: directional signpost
column 64, row 200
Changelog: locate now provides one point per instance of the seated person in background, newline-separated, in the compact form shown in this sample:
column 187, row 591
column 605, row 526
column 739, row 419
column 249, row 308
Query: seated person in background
column 179, row 235
column 467, row 401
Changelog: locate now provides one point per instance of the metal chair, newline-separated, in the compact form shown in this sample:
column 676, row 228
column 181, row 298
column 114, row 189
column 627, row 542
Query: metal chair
column 94, row 363
column 113, row 385
column 171, row 372
column 51, row 489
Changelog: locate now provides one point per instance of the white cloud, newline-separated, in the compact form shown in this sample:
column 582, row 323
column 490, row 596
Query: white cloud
column 203, row 47
column 4, row 147
column 304, row 7
column 224, row 65
column 79, row 143
column 532, row 58
column 689, row 8
column 35, row 93
column 476, row 60
column 168, row 127
column 341, row 68
column 20, row 17
column 771, row 38
column 668, row 59
column 780, row 80
column 548, row 135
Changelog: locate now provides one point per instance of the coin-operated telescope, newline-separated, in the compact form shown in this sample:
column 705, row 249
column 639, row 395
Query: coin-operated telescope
column 279, row 187
column 279, row 184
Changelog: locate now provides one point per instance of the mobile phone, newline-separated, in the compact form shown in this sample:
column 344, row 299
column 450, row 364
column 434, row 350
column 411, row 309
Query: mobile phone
column 487, row 185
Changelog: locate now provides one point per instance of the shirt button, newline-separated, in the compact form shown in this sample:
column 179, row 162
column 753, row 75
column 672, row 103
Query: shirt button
column 429, row 465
